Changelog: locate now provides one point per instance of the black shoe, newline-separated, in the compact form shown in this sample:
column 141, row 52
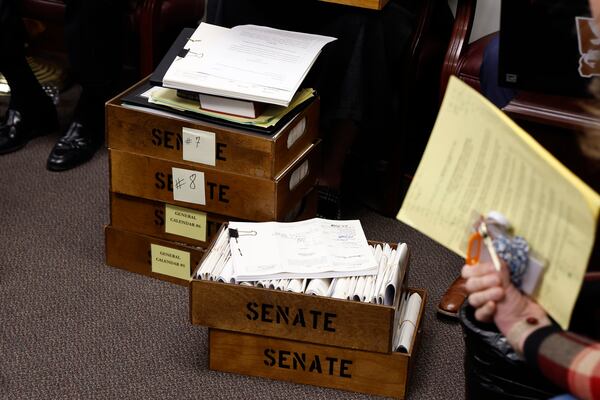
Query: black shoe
column 16, row 131
column 77, row 146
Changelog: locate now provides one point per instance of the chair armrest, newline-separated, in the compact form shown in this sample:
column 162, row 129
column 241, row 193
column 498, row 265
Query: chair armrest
column 461, row 32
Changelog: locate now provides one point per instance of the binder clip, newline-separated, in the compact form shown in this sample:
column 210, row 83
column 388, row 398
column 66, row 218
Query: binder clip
column 235, row 234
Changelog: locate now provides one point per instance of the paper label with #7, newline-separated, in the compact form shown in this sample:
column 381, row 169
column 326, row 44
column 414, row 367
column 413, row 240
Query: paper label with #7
column 199, row 146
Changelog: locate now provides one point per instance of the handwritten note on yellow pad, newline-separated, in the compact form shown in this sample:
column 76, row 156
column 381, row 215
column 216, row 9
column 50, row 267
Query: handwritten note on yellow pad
column 478, row 160
column 172, row 262
column 185, row 222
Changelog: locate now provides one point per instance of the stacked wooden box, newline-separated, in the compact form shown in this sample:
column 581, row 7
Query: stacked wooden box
column 175, row 180
column 301, row 338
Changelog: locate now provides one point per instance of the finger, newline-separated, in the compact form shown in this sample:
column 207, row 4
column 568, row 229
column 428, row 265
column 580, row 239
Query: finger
column 478, row 299
column 478, row 283
column 476, row 270
column 486, row 312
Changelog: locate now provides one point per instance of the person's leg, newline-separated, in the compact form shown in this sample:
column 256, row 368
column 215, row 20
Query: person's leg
column 358, row 80
column 30, row 111
column 93, row 30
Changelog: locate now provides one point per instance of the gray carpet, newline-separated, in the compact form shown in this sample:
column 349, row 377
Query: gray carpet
column 72, row 327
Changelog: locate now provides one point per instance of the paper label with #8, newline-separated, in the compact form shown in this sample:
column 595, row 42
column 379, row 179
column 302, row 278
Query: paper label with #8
column 188, row 185
column 199, row 146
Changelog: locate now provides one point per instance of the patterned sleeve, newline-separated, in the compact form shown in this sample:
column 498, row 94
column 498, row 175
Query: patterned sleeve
column 569, row 360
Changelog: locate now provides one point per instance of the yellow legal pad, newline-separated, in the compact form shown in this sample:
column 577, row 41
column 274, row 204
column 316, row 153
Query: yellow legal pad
column 478, row 160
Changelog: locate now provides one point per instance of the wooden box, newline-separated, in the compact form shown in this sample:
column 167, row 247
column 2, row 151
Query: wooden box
column 288, row 315
column 292, row 316
column 235, row 150
column 384, row 374
column 372, row 4
column 303, row 338
column 239, row 196
column 182, row 224
column 142, row 254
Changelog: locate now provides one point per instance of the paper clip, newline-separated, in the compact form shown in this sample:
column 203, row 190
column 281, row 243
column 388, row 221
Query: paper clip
column 479, row 237
column 234, row 233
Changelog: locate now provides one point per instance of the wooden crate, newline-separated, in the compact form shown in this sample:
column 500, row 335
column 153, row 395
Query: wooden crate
column 235, row 150
column 372, row 4
column 164, row 221
column 133, row 252
column 238, row 196
column 288, row 315
column 169, row 222
column 293, row 316
column 384, row 374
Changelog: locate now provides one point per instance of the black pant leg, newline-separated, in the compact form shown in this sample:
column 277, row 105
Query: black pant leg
column 94, row 30
column 27, row 95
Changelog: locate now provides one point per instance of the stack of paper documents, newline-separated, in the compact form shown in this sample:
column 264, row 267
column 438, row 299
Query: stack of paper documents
column 318, row 257
column 315, row 248
column 247, row 62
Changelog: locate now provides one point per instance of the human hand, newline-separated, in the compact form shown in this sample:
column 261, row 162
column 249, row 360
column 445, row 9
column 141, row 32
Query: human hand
column 496, row 298
column 485, row 287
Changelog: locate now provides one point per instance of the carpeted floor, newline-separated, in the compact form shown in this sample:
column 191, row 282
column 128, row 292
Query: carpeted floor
column 72, row 327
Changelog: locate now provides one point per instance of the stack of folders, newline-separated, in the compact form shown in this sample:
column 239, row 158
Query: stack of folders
column 248, row 75
column 316, row 257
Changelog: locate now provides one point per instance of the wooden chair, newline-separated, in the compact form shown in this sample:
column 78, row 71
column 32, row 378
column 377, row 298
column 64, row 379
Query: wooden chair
column 553, row 120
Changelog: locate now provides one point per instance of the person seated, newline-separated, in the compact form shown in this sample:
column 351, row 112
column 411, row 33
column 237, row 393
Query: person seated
column 356, row 76
column 91, row 30
column 568, row 360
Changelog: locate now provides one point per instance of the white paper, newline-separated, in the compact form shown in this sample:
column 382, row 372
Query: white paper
column 188, row 185
column 246, row 62
column 408, row 324
column 226, row 274
column 282, row 284
column 318, row 287
column 199, row 146
column 340, row 288
column 297, row 285
column 396, row 278
column 315, row 248
column 220, row 247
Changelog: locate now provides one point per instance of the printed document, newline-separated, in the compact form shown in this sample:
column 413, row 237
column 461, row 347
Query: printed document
column 315, row 248
column 478, row 160
column 246, row 62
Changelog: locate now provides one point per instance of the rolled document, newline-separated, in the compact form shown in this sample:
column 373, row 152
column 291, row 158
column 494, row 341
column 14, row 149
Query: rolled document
column 360, row 288
column 282, row 285
column 226, row 274
column 319, row 287
column 340, row 288
column 392, row 286
column 389, row 267
column 296, row 285
column 408, row 324
column 209, row 263
column 380, row 275
column 368, row 288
